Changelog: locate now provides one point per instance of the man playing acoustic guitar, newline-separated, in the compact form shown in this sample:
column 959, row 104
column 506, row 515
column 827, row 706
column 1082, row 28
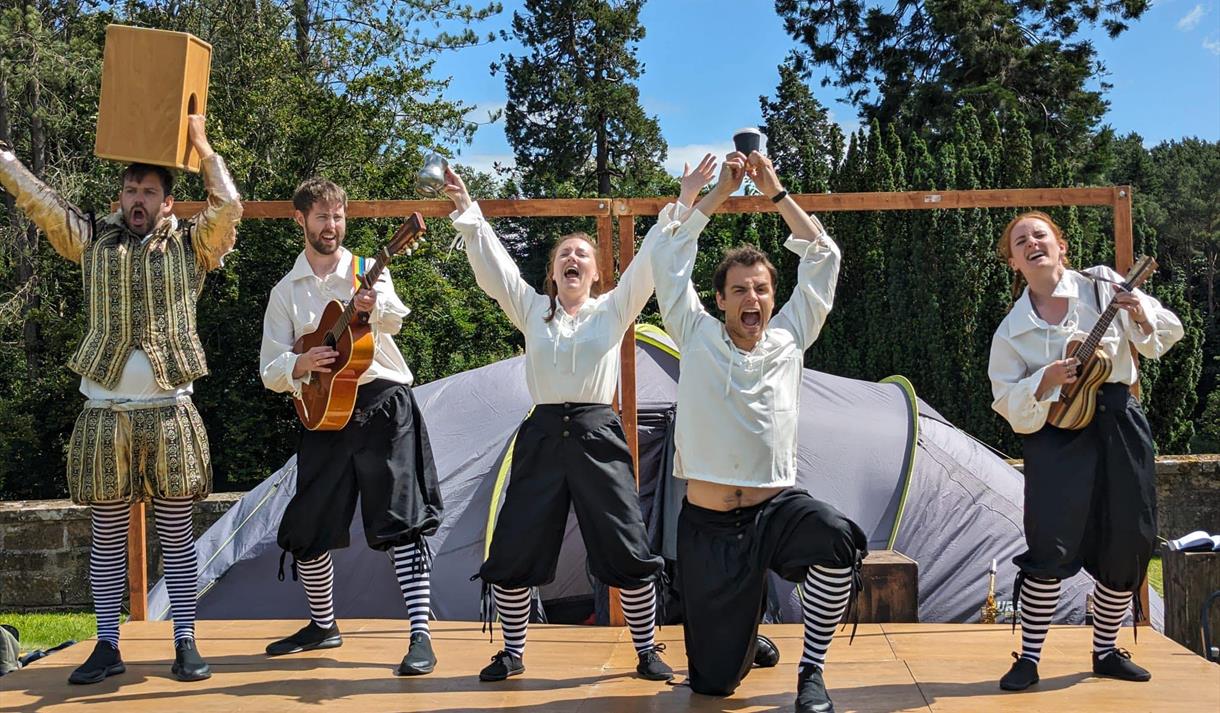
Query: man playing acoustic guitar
column 382, row 454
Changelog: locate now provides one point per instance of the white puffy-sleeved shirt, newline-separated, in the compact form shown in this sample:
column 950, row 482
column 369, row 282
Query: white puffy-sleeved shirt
column 295, row 308
column 572, row 358
column 1024, row 344
column 737, row 411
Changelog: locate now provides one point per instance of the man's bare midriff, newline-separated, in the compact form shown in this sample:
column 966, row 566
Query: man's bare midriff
column 716, row 496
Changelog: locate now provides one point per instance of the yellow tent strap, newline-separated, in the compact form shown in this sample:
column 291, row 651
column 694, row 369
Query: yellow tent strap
column 493, row 508
column 655, row 336
column 908, row 390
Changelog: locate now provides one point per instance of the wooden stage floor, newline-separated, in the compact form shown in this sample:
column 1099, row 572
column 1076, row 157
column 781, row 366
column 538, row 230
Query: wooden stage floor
column 890, row 668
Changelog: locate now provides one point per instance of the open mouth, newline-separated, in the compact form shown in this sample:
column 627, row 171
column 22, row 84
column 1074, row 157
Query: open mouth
column 1036, row 255
column 571, row 271
column 751, row 318
column 138, row 215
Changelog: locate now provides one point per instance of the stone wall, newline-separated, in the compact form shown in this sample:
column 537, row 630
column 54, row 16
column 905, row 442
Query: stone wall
column 44, row 551
column 1187, row 494
column 44, row 544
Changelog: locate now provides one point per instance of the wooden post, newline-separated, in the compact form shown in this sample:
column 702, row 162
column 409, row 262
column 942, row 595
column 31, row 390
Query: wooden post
column 1124, row 234
column 626, row 247
column 605, row 266
column 1190, row 577
column 1124, row 258
column 137, row 563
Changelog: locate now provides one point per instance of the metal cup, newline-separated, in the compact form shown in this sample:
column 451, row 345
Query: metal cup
column 749, row 139
column 430, row 181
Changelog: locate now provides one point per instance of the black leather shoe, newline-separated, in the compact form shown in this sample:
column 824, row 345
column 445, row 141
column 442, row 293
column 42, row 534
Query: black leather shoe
column 811, row 696
column 310, row 637
column 502, row 665
column 419, row 659
column 652, row 666
column 766, row 655
column 1117, row 663
column 104, row 661
column 1022, row 675
column 188, row 664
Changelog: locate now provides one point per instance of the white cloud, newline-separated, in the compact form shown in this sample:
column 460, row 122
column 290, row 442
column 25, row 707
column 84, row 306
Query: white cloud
column 848, row 127
column 485, row 162
column 1212, row 46
column 693, row 154
column 482, row 111
column 1191, row 19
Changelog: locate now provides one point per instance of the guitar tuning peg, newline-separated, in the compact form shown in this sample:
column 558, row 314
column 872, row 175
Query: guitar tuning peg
column 408, row 251
column 423, row 240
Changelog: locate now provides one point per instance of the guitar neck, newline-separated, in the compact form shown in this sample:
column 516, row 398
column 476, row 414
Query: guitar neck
column 367, row 281
column 1090, row 344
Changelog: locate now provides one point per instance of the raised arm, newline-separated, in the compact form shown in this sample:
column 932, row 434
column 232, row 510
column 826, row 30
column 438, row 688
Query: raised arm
column 636, row 284
column 673, row 255
column 67, row 229
column 818, row 271
column 494, row 269
column 215, row 227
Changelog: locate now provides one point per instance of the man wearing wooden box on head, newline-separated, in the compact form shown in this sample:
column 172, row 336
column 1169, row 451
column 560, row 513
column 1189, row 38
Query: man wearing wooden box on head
column 139, row 436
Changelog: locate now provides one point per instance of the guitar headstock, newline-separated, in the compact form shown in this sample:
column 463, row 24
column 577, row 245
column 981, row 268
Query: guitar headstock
column 408, row 236
column 1142, row 270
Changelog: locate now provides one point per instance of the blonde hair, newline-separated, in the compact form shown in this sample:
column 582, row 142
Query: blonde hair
column 1004, row 246
column 551, row 287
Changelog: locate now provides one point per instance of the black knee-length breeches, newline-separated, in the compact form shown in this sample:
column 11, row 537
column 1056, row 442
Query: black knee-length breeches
column 383, row 456
column 570, row 453
column 723, row 558
column 1090, row 496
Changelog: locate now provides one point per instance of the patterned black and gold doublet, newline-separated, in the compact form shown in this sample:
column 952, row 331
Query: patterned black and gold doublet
column 140, row 293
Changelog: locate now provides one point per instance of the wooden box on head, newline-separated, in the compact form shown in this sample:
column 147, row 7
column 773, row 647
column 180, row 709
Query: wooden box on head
column 151, row 81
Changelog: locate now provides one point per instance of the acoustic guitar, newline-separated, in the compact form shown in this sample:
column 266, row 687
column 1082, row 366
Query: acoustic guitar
column 327, row 401
column 1078, row 400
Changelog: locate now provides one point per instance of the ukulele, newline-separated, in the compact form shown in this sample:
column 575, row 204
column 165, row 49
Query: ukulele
column 327, row 401
column 1078, row 400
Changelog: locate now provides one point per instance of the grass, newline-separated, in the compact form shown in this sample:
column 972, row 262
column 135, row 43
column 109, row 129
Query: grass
column 1156, row 578
column 42, row 631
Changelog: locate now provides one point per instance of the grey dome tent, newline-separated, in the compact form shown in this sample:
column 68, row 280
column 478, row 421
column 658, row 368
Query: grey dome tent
column 913, row 482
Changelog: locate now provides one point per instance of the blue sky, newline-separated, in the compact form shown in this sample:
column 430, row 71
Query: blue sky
column 706, row 62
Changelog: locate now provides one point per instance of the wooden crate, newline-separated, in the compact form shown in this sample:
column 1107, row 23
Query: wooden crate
column 891, row 588
column 151, row 81
column 1189, row 578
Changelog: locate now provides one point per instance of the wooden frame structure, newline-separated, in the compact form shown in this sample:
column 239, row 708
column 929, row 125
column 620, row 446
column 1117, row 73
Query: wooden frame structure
column 605, row 210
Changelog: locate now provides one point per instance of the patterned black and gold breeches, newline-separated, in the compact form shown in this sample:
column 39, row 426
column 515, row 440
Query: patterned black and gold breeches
column 134, row 451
